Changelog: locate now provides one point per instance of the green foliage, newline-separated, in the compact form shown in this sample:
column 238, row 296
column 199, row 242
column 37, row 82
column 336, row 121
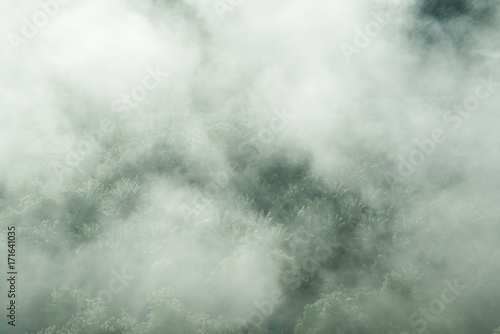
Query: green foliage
column 167, row 315
column 82, row 212
column 274, row 213
column 72, row 312
column 125, row 197
column 65, row 303
column 48, row 236
column 290, row 276
column 95, row 320
column 402, row 283
column 337, row 312
column 206, row 325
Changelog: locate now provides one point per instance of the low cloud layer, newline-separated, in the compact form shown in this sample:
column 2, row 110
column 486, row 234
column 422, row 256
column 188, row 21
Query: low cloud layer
column 181, row 166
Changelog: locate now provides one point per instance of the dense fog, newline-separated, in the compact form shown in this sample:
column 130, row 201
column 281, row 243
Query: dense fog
column 237, row 166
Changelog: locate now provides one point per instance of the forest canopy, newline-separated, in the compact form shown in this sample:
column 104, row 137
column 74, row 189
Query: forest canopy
column 237, row 167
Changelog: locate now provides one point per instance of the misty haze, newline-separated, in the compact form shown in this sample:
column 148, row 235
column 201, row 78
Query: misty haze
column 250, row 167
